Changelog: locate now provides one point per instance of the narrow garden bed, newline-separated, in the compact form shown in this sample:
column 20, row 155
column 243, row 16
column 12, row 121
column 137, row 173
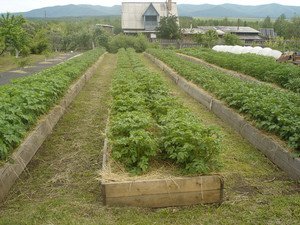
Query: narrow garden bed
column 148, row 124
column 273, row 149
column 31, row 103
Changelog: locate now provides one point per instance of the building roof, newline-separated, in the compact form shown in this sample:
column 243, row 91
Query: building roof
column 104, row 25
column 237, row 29
column 221, row 30
column 132, row 13
column 201, row 30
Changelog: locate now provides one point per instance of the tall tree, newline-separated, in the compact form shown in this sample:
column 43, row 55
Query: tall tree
column 13, row 34
column 267, row 23
column 209, row 39
column 232, row 39
column 281, row 26
column 168, row 28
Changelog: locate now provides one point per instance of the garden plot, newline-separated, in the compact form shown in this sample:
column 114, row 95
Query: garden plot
column 260, row 67
column 29, row 114
column 147, row 125
column 60, row 185
column 225, row 87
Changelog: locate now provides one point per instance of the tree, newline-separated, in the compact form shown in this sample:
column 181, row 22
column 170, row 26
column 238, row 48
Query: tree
column 295, row 27
column 101, row 37
column 209, row 39
column 276, row 43
column 281, row 26
column 267, row 23
column 232, row 39
column 13, row 34
column 168, row 28
column 40, row 42
column 56, row 37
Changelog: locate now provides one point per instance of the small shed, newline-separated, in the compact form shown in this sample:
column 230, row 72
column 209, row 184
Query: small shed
column 267, row 33
column 107, row 27
column 247, row 34
column 144, row 17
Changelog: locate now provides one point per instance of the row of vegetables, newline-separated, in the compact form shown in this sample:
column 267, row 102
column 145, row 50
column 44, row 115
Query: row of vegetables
column 260, row 67
column 147, row 123
column 276, row 111
column 24, row 100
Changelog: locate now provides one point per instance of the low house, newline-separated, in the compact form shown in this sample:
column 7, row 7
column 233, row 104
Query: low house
column 144, row 17
column 246, row 34
column 106, row 27
column 201, row 30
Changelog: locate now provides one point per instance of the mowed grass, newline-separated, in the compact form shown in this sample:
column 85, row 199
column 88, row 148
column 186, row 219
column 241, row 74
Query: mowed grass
column 61, row 186
column 9, row 62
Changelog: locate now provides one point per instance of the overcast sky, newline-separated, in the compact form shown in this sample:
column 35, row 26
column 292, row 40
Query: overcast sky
column 26, row 5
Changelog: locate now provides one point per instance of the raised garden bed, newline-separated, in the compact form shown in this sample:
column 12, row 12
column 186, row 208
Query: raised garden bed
column 148, row 125
column 273, row 149
column 260, row 67
column 19, row 159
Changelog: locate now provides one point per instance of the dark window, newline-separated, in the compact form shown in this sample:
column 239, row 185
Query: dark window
column 150, row 18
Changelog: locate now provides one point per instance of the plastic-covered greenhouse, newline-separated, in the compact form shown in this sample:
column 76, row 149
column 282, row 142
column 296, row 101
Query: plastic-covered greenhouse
column 247, row 49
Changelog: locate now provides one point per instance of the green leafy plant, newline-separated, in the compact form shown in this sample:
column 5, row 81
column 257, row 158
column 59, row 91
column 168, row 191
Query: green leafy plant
column 276, row 111
column 147, row 121
column 26, row 99
column 260, row 67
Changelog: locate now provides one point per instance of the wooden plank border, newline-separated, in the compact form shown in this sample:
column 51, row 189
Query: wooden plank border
column 11, row 170
column 160, row 193
column 266, row 144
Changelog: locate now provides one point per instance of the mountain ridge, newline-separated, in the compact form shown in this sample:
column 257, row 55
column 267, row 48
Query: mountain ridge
column 203, row 10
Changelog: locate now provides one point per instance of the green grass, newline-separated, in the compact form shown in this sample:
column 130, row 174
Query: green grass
column 61, row 186
column 9, row 62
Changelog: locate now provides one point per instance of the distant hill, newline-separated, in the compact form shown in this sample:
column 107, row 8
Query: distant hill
column 73, row 11
column 238, row 11
column 203, row 10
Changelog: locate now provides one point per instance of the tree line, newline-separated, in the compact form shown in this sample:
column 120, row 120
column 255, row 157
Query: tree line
column 19, row 36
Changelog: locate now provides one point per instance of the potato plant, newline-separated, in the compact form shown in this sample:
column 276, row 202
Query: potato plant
column 273, row 110
column 261, row 67
column 147, row 122
column 24, row 100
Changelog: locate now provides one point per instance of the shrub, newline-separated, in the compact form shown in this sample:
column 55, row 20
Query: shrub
column 139, row 43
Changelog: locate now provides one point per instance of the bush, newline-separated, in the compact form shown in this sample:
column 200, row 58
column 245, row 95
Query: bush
column 139, row 43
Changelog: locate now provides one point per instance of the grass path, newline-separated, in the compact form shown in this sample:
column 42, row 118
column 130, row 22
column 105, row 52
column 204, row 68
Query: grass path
column 60, row 186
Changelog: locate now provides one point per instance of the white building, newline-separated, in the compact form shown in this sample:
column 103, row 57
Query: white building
column 144, row 17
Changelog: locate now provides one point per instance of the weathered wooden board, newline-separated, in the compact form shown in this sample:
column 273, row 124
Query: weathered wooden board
column 11, row 171
column 265, row 143
column 164, row 192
